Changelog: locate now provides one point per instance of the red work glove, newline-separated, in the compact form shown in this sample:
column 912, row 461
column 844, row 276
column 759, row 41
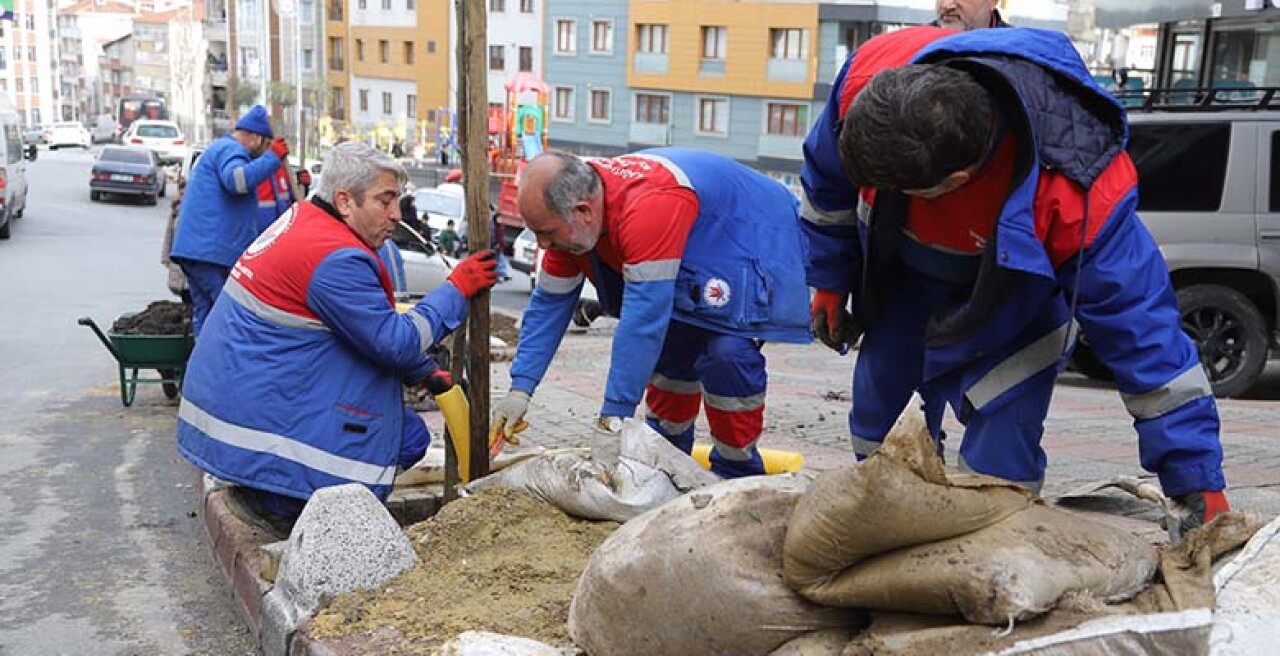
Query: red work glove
column 1199, row 508
column 831, row 322
column 438, row 382
column 280, row 148
column 476, row 273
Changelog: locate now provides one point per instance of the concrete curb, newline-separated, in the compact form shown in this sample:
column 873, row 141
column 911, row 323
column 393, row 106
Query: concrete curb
column 239, row 549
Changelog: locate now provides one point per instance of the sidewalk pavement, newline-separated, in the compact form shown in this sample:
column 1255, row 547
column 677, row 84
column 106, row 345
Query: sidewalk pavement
column 1088, row 435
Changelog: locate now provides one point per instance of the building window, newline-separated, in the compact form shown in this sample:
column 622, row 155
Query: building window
column 497, row 6
column 526, row 59
column 602, row 36
column 335, row 9
column 17, row 84
column 362, row 4
column 565, row 33
column 564, row 104
column 787, row 120
column 384, row 51
column 714, row 42
column 713, row 116
column 31, row 53
column 386, row 5
column 364, row 100
column 4, row 84
column 335, row 54
column 386, row 102
column 431, row 47
column 601, row 100
column 409, row 53
column 31, row 21
column 308, row 59
column 308, row 11
column 339, row 98
column 497, row 58
column 411, row 106
column 789, row 43
column 653, row 108
column 651, row 39
column 359, row 49
column 409, row 5
column 526, row 6
column 35, row 115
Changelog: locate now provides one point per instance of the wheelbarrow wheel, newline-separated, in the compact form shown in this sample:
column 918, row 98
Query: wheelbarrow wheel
column 171, row 390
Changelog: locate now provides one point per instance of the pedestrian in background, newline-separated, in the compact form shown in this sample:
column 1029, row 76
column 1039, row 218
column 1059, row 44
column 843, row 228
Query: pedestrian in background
column 296, row 381
column 448, row 239
column 219, row 214
column 699, row 257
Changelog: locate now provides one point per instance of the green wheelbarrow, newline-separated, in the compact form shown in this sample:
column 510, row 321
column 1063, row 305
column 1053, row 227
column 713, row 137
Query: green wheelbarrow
column 167, row 354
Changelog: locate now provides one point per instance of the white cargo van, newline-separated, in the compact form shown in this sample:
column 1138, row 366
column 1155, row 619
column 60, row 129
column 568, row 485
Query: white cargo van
column 13, row 166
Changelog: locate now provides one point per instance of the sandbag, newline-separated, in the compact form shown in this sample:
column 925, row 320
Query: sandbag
column 484, row 643
column 700, row 575
column 650, row 472
column 896, row 532
column 1247, row 611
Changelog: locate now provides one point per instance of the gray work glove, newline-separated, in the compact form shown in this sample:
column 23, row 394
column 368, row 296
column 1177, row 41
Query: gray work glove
column 508, row 415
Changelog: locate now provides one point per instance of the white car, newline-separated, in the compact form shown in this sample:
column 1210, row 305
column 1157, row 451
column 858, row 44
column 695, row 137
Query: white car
column 527, row 257
column 162, row 137
column 438, row 206
column 68, row 133
column 425, row 268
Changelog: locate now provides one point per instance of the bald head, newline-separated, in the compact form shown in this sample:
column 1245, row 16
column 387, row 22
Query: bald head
column 559, row 196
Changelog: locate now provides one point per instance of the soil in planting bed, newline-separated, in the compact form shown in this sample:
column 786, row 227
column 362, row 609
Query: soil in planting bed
column 495, row 561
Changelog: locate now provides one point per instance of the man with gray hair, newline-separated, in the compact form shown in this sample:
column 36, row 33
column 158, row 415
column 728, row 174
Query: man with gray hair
column 295, row 383
column 701, row 260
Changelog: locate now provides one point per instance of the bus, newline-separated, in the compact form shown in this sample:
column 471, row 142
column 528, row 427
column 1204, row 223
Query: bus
column 135, row 106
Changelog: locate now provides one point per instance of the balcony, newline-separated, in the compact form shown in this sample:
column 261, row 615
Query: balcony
column 711, row 68
column 654, row 63
column 780, row 146
column 218, row 78
column 650, row 133
column 787, row 70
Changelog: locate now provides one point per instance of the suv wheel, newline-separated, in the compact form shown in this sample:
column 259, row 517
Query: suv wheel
column 1229, row 333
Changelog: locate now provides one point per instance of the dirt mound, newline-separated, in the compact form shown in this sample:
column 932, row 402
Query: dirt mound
column 160, row 318
column 495, row 561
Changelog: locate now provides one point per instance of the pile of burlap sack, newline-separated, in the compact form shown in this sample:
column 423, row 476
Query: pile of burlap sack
column 893, row 555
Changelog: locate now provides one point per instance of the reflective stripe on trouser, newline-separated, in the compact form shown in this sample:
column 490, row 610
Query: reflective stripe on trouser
column 730, row 372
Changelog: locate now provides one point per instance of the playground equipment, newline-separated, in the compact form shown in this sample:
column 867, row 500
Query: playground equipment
column 517, row 134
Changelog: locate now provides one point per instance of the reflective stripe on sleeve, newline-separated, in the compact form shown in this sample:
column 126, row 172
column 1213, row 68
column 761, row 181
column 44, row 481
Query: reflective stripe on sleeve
column 266, row 312
column 242, row 185
column 558, row 284
column 822, row 217
column 1186, row 387
column 286, row 448
column 651, row 271
column 425, row 336
column 671, row 166
column 1019, row 367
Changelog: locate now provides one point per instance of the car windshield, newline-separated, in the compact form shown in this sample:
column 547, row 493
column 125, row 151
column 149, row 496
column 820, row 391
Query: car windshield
column 162, row 131
column 125, row 155
column 438, row 203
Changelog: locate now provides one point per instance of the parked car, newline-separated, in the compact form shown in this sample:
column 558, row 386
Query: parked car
column 164, row 137
column 425, row 267
column 104, row 129
column 68, row 133
column 440, row 205
column 13, row 167
column 527, row 257
column 1209, row 192
column 36, row 134
column 128, row 171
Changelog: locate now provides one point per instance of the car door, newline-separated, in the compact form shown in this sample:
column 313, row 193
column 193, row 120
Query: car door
column 1267, row 199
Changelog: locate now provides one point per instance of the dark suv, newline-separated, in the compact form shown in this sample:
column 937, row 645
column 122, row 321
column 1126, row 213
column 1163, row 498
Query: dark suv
column 1209, row 191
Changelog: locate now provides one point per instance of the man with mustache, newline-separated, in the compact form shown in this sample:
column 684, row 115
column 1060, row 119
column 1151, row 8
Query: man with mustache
column 965, row 15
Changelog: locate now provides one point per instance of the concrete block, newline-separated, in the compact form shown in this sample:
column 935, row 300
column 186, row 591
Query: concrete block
column 345, row 540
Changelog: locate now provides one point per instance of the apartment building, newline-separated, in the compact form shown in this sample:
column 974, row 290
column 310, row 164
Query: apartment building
column 514, row 43
column 586, row 44
column 83, row 29
column 29, row 64
column 217, row 68
column 169, row 62
column 115, row 69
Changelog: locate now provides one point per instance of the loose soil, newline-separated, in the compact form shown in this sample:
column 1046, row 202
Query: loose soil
column 160, row 318
column 504, row 328
column 495, row 561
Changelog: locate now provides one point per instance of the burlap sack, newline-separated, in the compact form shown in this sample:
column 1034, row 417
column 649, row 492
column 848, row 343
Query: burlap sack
column 896, row 533
column 699, row 575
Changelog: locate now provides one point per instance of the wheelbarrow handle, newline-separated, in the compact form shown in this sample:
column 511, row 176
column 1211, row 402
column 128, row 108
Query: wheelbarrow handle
column 106, row 341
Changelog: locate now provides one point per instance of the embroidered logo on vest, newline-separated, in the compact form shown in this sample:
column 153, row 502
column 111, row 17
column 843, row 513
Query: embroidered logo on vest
column 716, row 292
column 268, row 236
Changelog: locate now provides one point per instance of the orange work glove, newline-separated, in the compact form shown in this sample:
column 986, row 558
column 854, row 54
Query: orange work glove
column 476, row 273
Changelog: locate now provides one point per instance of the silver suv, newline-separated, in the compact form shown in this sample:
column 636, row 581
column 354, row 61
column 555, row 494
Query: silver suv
column 1209, row 191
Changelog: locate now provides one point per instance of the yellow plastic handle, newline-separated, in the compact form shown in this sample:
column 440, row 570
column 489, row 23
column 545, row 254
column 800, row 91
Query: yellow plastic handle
column 775, row 461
